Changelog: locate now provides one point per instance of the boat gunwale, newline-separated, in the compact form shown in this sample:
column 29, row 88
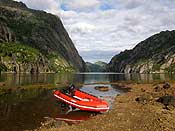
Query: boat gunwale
column 82, row 106
column 84, row 102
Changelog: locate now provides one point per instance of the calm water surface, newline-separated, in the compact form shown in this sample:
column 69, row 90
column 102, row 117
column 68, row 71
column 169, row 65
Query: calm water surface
column 26, row 109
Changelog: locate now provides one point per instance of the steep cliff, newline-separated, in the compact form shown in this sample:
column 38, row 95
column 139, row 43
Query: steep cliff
column 41, row 31
column 153, row 55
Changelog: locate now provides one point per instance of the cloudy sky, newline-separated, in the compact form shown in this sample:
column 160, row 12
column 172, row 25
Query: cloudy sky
column 102, row 28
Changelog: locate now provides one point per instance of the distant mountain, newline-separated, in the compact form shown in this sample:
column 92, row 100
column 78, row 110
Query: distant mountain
column 34, row 41
column 96, row 67
column 153, row 55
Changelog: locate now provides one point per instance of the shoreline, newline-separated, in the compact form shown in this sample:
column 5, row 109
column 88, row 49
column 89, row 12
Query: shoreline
column 137, row 109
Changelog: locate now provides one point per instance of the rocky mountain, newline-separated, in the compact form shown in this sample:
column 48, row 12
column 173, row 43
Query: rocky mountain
column 153, row 55
column 35, row 41
column 96, row 67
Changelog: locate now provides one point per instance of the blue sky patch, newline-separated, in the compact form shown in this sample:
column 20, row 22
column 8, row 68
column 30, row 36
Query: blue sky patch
column 64, row 7
column 105, row 7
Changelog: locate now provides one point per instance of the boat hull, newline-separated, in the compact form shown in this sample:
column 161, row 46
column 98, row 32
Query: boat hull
column 83, row 101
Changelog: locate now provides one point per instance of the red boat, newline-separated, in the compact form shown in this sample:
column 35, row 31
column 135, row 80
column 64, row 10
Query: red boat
column 82, row 100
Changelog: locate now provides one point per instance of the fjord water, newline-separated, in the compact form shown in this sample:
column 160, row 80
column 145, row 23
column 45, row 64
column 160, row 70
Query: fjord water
column 24, row 109
column 13, row 80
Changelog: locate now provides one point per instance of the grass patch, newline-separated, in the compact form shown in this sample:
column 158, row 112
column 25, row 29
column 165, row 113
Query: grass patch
column 18, row 52
column 170, row 69
column 156, row 67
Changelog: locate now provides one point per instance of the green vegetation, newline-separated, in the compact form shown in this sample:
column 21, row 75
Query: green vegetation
column 59, row 63
column 51, row 49
column 22, row 28
column 18, row 52
column 15, row 53
column 170, row 69
column 100, row 63
column 123, row 55
column 2, row 67
column 96, row 67
column 156, row 67
column 157, row 49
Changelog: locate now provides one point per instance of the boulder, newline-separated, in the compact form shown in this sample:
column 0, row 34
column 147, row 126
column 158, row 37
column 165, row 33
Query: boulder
column 167, row 100
column 157, row 88
column 166, row 85
column 102, row 88
column 144, row 99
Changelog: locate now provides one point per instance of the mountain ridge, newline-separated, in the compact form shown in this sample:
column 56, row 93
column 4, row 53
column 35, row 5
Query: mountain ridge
column 156, row 54
column 98, row 66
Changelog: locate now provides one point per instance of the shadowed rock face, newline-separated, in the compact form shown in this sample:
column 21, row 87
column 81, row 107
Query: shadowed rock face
column 153, row 55
column 5, row 34
column 40, row 30
column 9, row 55
column 12, row 3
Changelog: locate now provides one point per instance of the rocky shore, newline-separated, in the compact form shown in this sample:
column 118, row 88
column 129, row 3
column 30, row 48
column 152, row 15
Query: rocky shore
column 147, row 107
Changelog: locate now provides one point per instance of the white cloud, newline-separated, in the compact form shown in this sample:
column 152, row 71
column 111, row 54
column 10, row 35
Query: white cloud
column 82, row 28
column 80, row 4
column 110, row 25
column 98, row 55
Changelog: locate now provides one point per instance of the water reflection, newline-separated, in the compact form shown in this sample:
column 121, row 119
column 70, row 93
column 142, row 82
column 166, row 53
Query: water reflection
column 12, row 80
column 75, row 117
column 142, row 78
column 23, row 110
column 28, row 79
column 108, row 95
column 26, row 109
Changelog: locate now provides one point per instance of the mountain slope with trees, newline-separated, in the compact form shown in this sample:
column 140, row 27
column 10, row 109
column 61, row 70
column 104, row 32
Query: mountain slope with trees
column 44, row 43
column 153, row 55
